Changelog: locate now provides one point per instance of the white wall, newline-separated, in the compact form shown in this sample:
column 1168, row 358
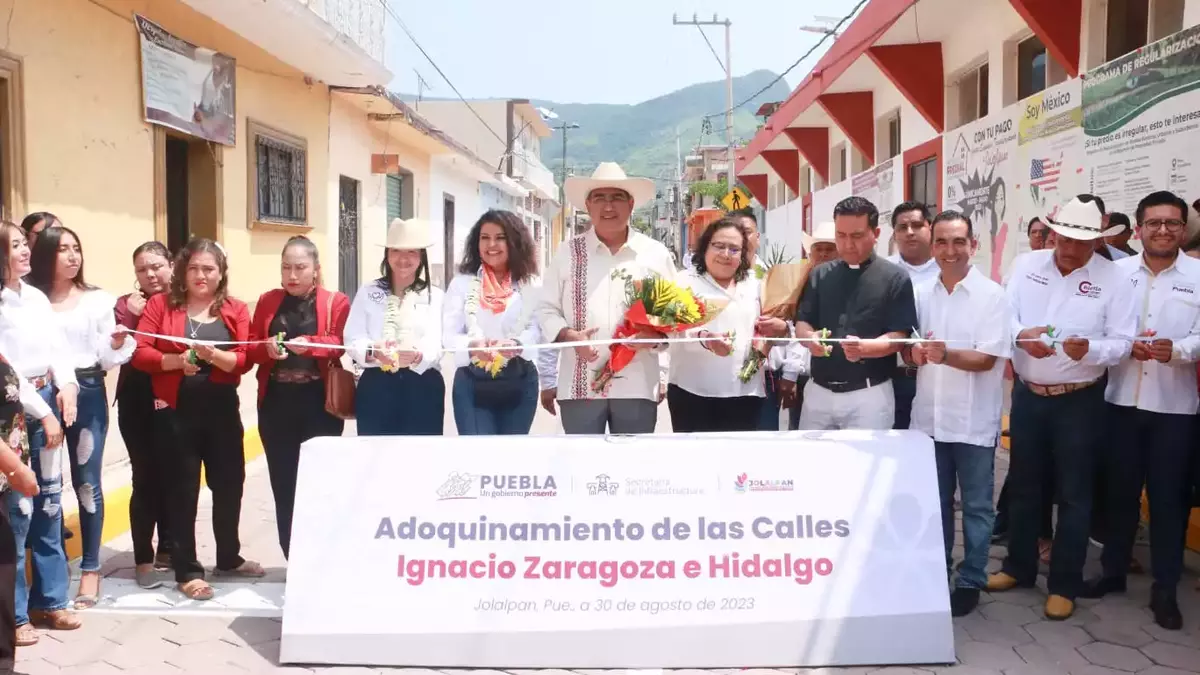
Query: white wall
column 914, row 130
column 351, row 143
column 784, row 226
column 446, row 179
column 457, row 120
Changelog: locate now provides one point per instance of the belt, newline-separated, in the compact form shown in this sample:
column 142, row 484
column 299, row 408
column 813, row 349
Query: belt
column 906, row 371
column 856, row 385
column 1058, row 389
column 40, row 381
column 90, row 371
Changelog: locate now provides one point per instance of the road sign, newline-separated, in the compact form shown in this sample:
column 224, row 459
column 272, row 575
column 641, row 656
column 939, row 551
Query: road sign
column 736, row 199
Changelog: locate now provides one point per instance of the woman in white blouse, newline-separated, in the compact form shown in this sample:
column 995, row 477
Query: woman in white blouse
column 85, row 317
column 395, row 333
column 712, row 385
column 39, row 354
column 490, row 305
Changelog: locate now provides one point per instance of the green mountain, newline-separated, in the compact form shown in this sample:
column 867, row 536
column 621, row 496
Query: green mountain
column 641, row 137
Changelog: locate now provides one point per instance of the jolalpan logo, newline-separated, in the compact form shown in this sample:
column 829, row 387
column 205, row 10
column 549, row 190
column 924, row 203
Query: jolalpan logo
column 743, row 483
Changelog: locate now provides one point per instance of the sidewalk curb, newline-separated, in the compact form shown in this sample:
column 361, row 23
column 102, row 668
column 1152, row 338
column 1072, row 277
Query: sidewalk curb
column 116, row 503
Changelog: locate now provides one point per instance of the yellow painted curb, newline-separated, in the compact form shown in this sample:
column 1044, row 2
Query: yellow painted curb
column 116, row 503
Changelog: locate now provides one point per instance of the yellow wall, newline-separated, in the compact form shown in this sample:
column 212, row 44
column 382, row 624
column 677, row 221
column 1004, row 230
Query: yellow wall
column 89, row 156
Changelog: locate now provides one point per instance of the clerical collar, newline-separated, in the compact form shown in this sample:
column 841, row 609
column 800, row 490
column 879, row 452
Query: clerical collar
column 866, row 263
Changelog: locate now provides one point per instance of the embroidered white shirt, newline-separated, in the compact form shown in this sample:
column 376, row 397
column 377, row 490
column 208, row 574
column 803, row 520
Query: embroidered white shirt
column 502, row 326
column 590, row 298
column 703, row 373
column 952, row 405
column 33, row 342
column 364, row 326
column 1168, row 304
column 1095, row 302
column 88, row 329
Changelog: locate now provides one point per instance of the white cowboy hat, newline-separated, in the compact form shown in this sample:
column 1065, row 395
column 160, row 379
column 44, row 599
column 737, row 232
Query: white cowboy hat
column 408, row 234
column 1081, row 220
column 824, row 233
column 607, row 175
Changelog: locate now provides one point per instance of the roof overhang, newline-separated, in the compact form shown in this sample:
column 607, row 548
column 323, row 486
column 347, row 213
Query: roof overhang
column 533, row 117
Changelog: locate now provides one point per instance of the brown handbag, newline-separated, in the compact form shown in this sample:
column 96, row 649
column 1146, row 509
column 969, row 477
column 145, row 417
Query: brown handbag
column 339, row 382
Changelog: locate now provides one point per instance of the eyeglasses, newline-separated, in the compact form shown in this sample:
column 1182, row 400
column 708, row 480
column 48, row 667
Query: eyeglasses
column 720, row 247
column 614, row 198
column 1172, row 225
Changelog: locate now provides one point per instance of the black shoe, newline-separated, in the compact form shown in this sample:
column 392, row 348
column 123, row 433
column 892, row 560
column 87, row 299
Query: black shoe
column 1102, row 586
column 1166, row 609
column 963, row 601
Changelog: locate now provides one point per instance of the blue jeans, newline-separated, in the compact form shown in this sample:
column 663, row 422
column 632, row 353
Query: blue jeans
column 38, row 522
column 85, row 445
column 769, row 418
column 973, row 468
column 475, row 420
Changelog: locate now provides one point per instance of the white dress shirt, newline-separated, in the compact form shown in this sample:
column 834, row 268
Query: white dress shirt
column 952, row 405
column 502, row 326
column 364, row 326
column 1094, row 302
column 796, row 360
column 603, row 308
column 33, row 343
column 88, row 329
column 703, row 373
column 1168, row 304
column 919, row 275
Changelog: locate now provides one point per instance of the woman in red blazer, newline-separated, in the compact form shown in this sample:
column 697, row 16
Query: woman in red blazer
column 195, row 391
column 291, row 381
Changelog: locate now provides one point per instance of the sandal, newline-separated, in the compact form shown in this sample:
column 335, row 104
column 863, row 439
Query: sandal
column 196, row 589
column 248, row 569
column 26, row 636
column 57, row 619
column 88, row 600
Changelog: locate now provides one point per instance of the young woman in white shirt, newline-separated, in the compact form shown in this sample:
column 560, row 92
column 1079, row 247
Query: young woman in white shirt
column 36, row 351
column 395, row 333
column 84, row 315
column 705, row 392
column 490, row 304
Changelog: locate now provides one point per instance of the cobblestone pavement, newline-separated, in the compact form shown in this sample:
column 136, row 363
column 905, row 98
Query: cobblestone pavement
column 1007, row 635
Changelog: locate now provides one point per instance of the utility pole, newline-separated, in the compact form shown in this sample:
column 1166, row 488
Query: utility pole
column 562, row 184
column 728, row 68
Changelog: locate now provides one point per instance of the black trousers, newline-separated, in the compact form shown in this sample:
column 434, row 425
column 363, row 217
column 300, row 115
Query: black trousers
column 147, row 460
column 692, row 413
column 205, row 429
column 289, row 415
column 904, row 388
column 1054, row 438
column 1047, row 513
column 8, row 581
column 1151, row 449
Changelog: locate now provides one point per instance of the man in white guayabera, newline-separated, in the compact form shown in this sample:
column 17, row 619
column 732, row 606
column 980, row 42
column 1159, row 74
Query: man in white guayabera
column 582, row 301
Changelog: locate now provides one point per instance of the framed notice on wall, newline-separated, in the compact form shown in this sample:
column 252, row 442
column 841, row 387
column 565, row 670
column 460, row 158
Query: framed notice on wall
column 186, row 87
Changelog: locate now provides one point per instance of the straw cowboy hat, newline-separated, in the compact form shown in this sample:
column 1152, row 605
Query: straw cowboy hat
column 408, row 234
column 607, row 175
column 1081, row 220
column 822, row 234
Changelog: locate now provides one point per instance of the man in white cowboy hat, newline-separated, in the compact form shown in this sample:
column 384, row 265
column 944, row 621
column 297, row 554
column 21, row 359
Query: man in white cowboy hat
column 581, row 301
column 1151, row 410
column 1073, row 316
column 819, row 247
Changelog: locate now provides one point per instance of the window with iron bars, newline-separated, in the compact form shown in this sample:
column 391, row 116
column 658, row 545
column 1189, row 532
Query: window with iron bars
column 281, row 181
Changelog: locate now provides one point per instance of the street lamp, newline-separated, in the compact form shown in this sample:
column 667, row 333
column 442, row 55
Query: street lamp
column 562, row 199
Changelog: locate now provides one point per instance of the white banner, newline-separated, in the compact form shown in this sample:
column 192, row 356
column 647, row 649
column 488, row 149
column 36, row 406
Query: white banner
column 707, row 551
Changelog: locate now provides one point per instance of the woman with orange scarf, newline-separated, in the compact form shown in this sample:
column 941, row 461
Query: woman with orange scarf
column 489, row 311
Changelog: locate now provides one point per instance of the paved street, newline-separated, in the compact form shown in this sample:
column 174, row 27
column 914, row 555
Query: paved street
column 238, row 632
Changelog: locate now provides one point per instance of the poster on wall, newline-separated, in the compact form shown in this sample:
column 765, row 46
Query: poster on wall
column 186, row 87
column 1049, row 165
column 1141, row 114
column 978, row 181
column 882, row 185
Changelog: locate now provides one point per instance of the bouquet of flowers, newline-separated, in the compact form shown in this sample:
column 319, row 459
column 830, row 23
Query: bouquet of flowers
column 755, row 357
column 655, row 304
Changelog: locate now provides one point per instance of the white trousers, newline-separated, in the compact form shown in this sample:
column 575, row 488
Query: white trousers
column 871, row 408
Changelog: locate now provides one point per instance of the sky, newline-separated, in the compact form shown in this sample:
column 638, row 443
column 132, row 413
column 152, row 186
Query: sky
column 584, row 51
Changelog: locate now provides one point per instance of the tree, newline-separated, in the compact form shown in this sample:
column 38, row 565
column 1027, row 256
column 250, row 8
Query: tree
column 716, row 190
column 642, row 224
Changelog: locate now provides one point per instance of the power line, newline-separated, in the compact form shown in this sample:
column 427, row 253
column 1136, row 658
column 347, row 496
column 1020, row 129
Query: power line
column 836, row 28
